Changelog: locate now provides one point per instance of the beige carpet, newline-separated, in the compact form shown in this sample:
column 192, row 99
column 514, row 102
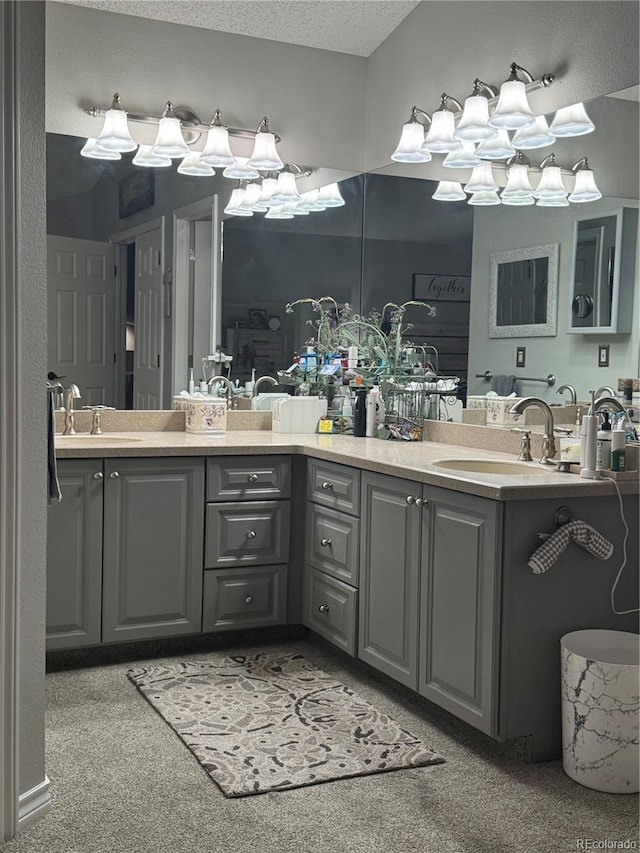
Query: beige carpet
column 265, row 722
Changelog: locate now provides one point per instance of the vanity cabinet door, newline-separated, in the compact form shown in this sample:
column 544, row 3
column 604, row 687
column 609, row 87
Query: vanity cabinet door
column 389, row 569
column 74, row 556
column 153, row 544
column 459, row 605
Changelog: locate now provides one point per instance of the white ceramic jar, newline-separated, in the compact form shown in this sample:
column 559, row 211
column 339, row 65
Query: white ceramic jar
column 207, row 416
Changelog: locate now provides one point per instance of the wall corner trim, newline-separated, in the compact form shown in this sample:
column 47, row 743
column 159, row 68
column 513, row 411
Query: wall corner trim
column 34, row 804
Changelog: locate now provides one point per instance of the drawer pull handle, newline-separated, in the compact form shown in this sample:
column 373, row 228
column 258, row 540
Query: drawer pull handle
column 410, row 499
column 114, row 475
column 248, row 599
column 323, row 608
column 420, row 503
column 327, row 485
column 98, row 475
column 326, row 543
column 251, row 534
column 253, row 478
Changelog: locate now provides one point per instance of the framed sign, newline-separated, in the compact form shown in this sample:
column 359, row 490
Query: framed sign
column 433, row 288
column 136, row 192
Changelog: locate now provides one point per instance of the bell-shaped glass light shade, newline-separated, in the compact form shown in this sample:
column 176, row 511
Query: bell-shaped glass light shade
column 295, row 208
column 518, row 185
column 449, row 191
column 512, row 110
column 585, row 188
column 308, row 201
column 410, row 145
column 264, row 154
column 115, row 135
column 216, row 151
column 551, row 185
column 552, row 202
column 191, row 165
column 463, row 158
column 286, row 191
column 277, row 212
column 240, row 171
column 484, row 199
column 439, row 138
column 330, row 196
column 252, row 199
column 571, row 121
column 535, row 136
column 235, row 204
column 474, row 125
column 496, row 149
column 90, row 149
column 145, row 157
column 266, row 193
column 481, row 179
column 518, row 201
column 169, row 140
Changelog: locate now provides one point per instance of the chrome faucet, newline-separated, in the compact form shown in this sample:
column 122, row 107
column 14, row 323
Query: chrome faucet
column 260, row 379
column 71, row 393
column 572, row 393
column 548, row 440
column 606, row 389
column 614, row 404
column 231, row 397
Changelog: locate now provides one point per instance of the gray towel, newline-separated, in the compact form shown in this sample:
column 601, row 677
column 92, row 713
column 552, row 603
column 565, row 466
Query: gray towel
column 581, row 533
column 504, row 385
column 53, row 491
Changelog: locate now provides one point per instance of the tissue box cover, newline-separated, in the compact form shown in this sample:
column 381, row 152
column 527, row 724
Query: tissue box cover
column 477, row 402
column 498, row 410
column 206, row 416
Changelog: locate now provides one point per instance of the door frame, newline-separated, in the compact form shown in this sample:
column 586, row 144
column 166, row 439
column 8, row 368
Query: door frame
column 182, row 219
column 121, row 240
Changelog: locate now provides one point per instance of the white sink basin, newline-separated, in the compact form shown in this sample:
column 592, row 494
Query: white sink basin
column 493, row 466
column 108, row 439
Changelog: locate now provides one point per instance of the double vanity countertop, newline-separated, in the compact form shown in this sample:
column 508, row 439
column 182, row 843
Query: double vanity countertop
column 416, row 461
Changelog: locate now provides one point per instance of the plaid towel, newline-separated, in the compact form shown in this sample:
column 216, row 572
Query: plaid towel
column 582, row 534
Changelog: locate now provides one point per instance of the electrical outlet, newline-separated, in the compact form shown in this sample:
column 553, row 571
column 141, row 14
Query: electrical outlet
column 603, row 355
column 521, row 356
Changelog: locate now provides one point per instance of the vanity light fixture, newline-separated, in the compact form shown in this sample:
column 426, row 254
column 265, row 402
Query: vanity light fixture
column 278, row 212
column 410, row 148
column 192, row 165
column 145, row 157
column 518, row 190
column 264, row 155
column 286, row 190
column 464, row 158
column 484, row 198
column 585, row 188
column 449, row 191
column 115, row 135
column 240, row 170
column 512, row 110
column 474, row 123
column 235, row 204
column 481, row 179
column 251, row 199
column 571, row 121
column 498, row 148
column 91, row 149
column 217, row 151
column 536, row 135
column 330, row 196
column 551, row 184
column 169, row 139
column 439, row 138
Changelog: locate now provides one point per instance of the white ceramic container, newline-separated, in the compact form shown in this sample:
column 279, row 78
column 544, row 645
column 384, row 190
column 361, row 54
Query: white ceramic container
column 207, row 416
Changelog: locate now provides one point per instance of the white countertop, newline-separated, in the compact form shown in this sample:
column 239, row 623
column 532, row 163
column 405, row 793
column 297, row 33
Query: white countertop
column 410, row 460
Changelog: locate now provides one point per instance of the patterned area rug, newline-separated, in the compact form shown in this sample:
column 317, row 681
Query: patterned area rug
column 270, row 722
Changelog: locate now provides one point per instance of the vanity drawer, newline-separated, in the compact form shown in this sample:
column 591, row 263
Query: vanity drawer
column 333, row 541
column 246, row 533
column 335, row 486
column 244, row 598
column 330, row 609
column 240, row 478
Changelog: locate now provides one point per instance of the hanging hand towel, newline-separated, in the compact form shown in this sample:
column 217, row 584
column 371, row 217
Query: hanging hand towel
column 504, row 385
column 53, row 492
column 581, row 533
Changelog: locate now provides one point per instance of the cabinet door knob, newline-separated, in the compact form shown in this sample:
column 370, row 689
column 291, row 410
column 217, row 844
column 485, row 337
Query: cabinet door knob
column 98, row 475
column 325, row 543
column 410, row 499
column 328, row 485
column 323, row 608
column 421, row 503
column 114, row 475
column 253, row 478
column 248, row 599
column 251, row 534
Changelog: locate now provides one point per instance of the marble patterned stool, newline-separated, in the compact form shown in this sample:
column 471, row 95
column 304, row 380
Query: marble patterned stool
column 600, row 709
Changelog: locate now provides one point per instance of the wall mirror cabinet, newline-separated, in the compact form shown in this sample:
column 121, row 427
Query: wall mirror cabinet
column 523, row 288
column 604, row 273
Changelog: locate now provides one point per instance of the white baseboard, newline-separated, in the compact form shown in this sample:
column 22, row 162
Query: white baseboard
column 34, row 804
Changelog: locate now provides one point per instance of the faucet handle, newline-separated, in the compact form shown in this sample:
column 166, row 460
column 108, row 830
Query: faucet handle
column 525, row 447
column 563, row 431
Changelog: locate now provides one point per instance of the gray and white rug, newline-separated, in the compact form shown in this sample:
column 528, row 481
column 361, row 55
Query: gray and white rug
column 268, row 722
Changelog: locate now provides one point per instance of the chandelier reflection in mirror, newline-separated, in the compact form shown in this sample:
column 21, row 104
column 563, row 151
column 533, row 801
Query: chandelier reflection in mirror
column 265, row 183
column 476, row 134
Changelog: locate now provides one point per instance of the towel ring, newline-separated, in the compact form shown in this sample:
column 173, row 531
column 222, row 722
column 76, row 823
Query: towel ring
column 563, row 516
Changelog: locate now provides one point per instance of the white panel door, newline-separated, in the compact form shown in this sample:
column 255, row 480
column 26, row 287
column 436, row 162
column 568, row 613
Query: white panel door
column 81, row 299
column 147, row 372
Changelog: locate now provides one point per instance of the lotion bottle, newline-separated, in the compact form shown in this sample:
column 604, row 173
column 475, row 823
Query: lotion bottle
column 372, row 406
column 618, row 441
column 603, row 444
column 588, row 446
column 192, row 384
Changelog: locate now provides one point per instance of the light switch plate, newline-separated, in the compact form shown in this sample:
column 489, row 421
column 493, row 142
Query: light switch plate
column 603, row 355
column 521, row 356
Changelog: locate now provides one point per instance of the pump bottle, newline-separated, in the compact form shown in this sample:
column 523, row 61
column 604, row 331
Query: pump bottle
column 618, row 440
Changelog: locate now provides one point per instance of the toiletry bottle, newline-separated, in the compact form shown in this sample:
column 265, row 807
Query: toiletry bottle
column 603, row 444
column 618, row 440
column 353, row 357
column 372, row 407
column 380, row 410
column 204, row 388
column 588, row 445
column 360, row 417
column 248, row 385
column 347, row 408
column 192, row 384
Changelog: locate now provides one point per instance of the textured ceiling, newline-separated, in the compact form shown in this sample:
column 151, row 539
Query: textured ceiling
column 345, row 26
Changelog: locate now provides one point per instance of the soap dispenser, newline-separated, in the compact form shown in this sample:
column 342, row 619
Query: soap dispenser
column 603, row 444
column 618, row 442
